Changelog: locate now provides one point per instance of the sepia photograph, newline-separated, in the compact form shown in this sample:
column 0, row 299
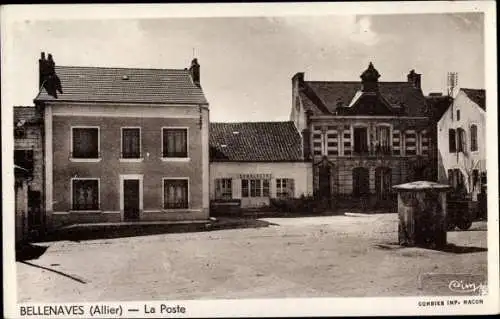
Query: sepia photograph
column 275, row 157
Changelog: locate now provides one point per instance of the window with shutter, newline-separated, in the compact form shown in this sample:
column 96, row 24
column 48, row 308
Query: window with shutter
column 452, row 141
column 175, row 193
column 85, row 142
column 461, row 140
column 265, row 188
column 85, row 194
column 284, row 188
column 131, row 142
column 174, row 143
column 473, row 138
column 223, row 188
column 244, row 188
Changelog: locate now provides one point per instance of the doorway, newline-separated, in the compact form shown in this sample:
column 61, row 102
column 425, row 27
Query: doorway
column 360, row 181
column 34, row 210
column 325, row 190
column 383, row 182
column 131, row 197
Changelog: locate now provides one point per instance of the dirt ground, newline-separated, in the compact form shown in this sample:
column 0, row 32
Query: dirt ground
column 335, row 256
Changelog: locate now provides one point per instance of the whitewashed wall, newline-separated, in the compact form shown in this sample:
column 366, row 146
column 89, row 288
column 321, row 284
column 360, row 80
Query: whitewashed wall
column 470, row 114
column 301, row 173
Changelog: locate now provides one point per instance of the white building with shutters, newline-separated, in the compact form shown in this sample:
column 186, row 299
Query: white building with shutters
column 254, row 162
column 462, row 142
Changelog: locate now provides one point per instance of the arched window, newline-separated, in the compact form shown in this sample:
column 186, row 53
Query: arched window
column 473, row 138
column 452, row 141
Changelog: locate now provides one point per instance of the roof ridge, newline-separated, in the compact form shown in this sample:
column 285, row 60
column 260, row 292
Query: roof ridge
column 359, row 82
column 313, row 96
column 252, row 122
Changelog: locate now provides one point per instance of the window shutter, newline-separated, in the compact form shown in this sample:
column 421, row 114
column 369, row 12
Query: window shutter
column 473, row 138
column 244, row 188
column 450, row 177
column 452, row 141
column 265, row 188
column 291, row 187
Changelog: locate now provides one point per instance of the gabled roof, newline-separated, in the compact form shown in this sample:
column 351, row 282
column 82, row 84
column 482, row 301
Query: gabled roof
column 333, row 94
column 477, row 96
column 369, row 103
column 27, row 115
column 125, row 85
column 255, row 142
column 438, row 104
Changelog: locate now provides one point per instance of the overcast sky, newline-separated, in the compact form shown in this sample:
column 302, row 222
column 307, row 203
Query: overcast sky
column 247, row 63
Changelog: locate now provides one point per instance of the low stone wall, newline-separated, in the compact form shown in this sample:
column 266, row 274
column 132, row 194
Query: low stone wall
column 177, row 215
column 58, row 220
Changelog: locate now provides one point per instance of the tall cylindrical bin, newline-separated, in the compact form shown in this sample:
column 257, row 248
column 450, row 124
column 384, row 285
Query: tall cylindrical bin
column 422, row 214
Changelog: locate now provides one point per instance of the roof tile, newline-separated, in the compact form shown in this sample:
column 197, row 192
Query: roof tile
column 125, row 85
column 255, row 142
column 335, row 93
column 477, row 96
column 28, row 114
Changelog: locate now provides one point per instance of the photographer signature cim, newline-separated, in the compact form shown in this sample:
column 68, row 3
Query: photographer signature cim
column 467, row 287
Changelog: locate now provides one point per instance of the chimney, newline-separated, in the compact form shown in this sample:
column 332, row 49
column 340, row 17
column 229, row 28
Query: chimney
column 298, row 78
column 369, row 79
column 194, row 70
column 414, row 79
column 42, row 69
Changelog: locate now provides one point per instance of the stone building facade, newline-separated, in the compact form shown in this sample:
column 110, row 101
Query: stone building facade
column 363, row 137
column 29, row 161
column 124, row 144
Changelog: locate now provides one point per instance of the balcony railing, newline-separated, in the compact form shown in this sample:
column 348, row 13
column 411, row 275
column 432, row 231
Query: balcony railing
column 377, row 150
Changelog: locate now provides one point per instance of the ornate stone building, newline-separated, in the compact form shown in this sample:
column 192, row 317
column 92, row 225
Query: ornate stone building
column 363, row 137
